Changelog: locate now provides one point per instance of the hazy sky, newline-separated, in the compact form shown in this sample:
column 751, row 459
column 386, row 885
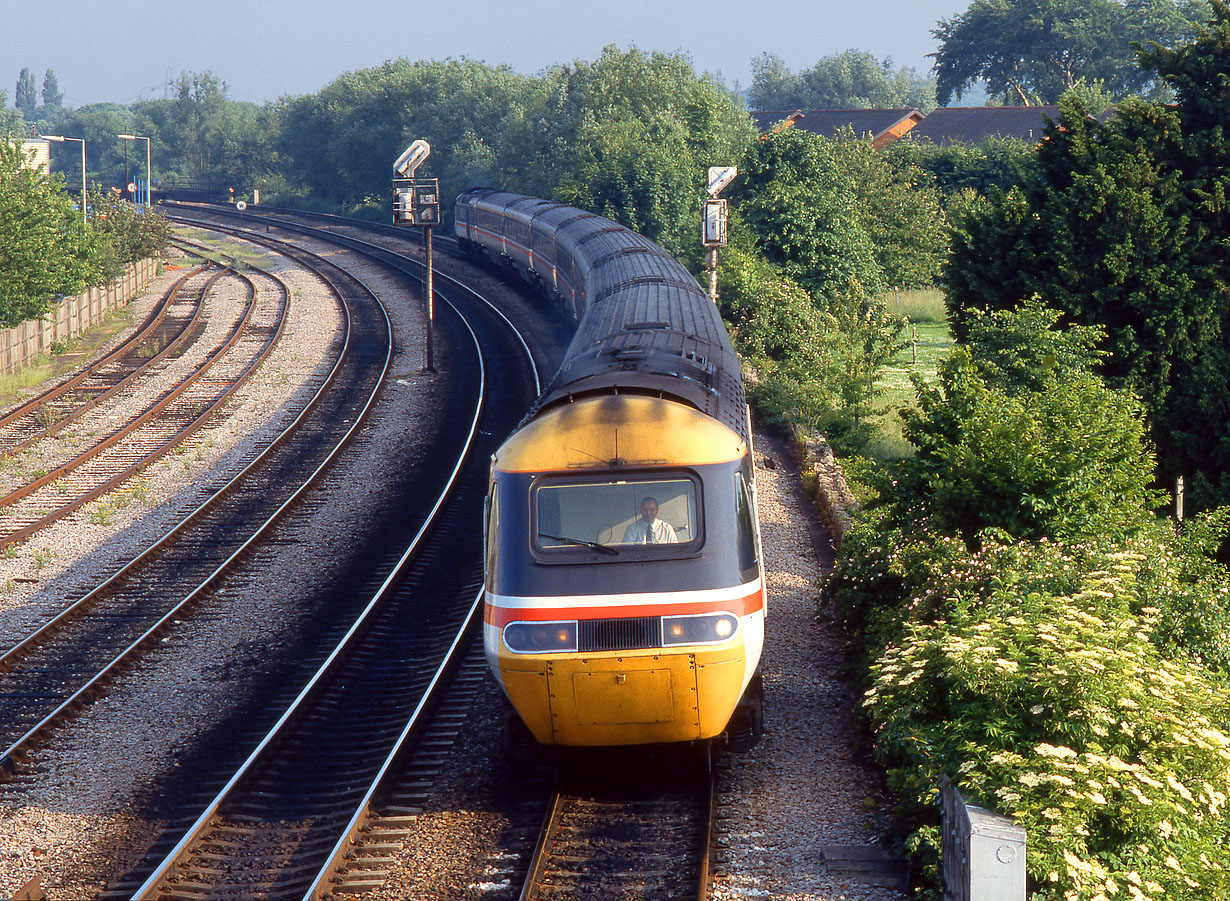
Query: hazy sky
column 124, row 50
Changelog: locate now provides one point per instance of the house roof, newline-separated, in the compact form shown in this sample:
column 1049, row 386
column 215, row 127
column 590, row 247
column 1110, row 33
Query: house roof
column 881, row 125
column 975, row 124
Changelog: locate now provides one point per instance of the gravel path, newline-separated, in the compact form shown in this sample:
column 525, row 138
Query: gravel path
column 805, row 785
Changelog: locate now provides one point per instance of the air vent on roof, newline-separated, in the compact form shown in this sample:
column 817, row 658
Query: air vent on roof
column 598, row 233
column 628, row 283
column 623, row 251
column 644, row 326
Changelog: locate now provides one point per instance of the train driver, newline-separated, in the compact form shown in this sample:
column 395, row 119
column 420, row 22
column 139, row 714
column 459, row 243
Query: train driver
column 649, row 529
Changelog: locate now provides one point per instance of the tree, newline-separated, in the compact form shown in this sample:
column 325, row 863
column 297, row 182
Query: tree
column 53, row 97
column 98, row 124
column 11, row 122
column 1068, row 460
column 977, row 168
column 199, row 101
column 27, row 95
column 1031, row 51
column 834, row 213
column 806, row 219
column 632, row 134
column 125, row 233
column 340, row 143
column 900, row 211
column 850, row 80
column 45, row 249
column 1126, row 227
column 816, row 359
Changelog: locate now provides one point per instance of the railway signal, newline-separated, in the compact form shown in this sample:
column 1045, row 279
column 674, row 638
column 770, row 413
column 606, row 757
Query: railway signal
column 416, row 202
column 713, row 221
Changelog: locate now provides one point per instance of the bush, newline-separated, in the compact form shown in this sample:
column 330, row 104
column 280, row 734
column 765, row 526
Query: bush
column 1038, row 685
column 45, row 248
column 815, row 358
column 1028, row 627
column 1068, row 460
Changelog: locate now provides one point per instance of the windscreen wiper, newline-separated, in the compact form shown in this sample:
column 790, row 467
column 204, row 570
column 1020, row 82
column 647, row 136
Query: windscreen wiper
column 581, row 542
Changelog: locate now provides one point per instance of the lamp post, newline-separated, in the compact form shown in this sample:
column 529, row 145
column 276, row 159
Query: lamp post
column 60, row 139
column 149, row 175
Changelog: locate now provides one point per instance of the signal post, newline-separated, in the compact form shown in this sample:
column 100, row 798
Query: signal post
column 713, row 221
column 416, row 202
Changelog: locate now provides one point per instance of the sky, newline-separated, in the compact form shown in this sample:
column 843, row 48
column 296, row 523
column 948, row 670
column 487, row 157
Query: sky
column 121, row 51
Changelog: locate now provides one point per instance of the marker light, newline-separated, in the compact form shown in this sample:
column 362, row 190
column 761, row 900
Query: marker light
column 706, row 628
column 541, row 638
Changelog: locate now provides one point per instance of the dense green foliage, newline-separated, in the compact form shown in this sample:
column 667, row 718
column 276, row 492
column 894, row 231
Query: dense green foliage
column 1059, row 460
column 956, row 168
column 1030, row 673
column 850, row 80
column 26, row 96
column 835, row 213
column 629, row 135
column 53, row 97
column 11, row 122
column 1126, row 226
column 1020, row 436
column 1028, row 629
column 822, row 226
column 635, row 135
column 814, row 358
column 46, row 248
column 1031, row 51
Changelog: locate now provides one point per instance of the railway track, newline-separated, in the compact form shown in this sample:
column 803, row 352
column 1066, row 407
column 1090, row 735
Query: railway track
column 154, row 431
column 646, row 839
column 640, row 830
column 54, row 671
column 161, row 334
column 296, row 798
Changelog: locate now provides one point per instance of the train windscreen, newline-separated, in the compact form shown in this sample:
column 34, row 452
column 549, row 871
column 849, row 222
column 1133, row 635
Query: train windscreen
column 618, row 514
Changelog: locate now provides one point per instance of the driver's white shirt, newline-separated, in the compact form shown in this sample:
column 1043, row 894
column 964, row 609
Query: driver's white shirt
column 638, row 532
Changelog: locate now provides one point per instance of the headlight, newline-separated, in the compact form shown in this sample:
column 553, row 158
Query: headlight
column 541, row 638
column 706, row 628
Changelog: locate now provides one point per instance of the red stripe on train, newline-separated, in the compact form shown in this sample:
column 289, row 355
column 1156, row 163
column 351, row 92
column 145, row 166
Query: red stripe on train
column 501, row 616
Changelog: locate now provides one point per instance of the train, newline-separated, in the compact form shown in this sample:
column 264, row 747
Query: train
column 624, row 598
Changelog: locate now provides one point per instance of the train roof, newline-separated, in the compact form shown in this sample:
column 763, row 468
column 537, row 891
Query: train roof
column 647, row 327
column 654, row 338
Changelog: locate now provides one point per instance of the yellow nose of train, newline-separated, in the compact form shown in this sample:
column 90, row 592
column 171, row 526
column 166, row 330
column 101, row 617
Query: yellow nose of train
column 622, row 699
column 603, row 642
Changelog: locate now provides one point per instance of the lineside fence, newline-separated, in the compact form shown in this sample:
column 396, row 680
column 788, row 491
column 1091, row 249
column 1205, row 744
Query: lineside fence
column 21, row 344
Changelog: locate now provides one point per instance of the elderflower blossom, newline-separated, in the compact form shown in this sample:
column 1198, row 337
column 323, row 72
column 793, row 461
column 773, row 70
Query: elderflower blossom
column 1179, row 787
column 1140, row 796
column 1054, row 750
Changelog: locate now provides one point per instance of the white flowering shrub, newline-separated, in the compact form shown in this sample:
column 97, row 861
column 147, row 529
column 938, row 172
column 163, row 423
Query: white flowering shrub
column 1058, row 709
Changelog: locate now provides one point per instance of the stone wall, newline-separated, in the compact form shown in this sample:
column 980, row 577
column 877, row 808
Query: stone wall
column 825, row 482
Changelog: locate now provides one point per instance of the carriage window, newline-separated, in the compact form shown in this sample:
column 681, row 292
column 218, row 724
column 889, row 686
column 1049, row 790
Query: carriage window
column 612, row 516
